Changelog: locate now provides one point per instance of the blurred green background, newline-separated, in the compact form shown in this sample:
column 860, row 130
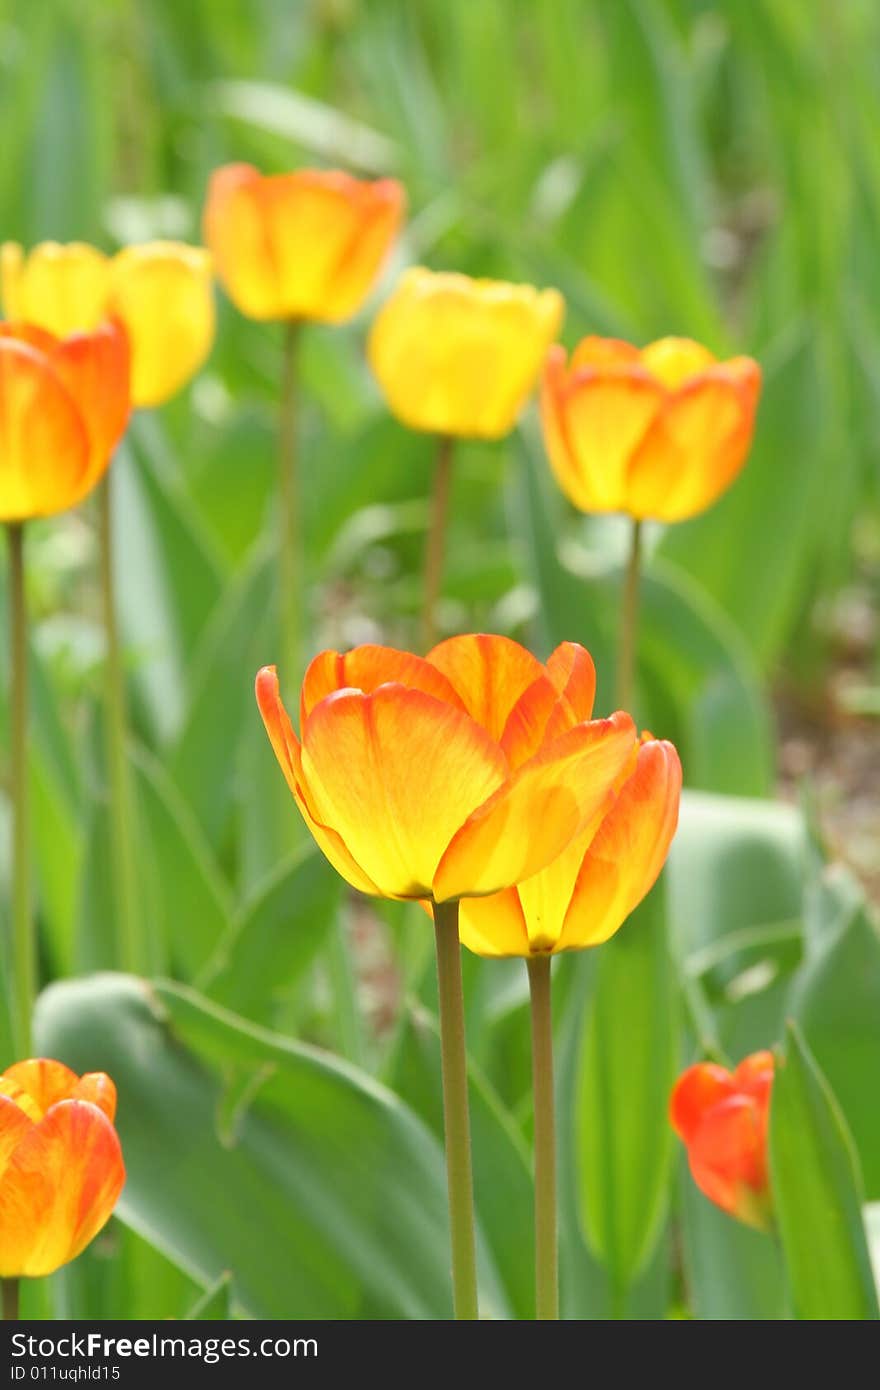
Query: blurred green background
column 673, row 167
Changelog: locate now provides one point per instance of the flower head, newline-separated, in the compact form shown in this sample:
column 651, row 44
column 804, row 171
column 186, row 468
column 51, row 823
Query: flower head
column 61, row 1168
column 459, row 356
column 451, row 776
column 304, row 245
column 64, row 404
column 722, row 1118
column 658, row 433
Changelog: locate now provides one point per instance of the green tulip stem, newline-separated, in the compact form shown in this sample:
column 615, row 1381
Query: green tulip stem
column 129, row 945
column 290, row 521
column 435, row 546
column 629, row 620
column 23, row 953
column 546, row 1222
column 455, row 1113
column 10, row 1299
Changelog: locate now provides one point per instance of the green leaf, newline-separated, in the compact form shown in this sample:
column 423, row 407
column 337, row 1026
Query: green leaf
column 629, row 1053
column 215, row 1302
column 817, row 1192
column 731, row 1271
column 322, row 1194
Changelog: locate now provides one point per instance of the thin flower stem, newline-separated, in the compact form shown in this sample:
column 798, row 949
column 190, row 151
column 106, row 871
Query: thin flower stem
column 130, row 946
column 436, row 542
column 455, row 1113
column 24, row 946
column 629, row 619
column 10, row 1299
column 546, row 1221
column 290, row 522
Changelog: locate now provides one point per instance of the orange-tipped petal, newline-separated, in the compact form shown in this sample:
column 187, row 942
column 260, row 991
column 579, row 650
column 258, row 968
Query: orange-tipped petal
column 396, row 773
column 43, row 1080
column 59, row 1188
column 538, row 812
column 44, row 448
column 600, row 353
column 695, row 1092
column 728, row 1159
column 15, row 1121
column 286, row 747
column 540, row 715
column 95, row 369
column 379, row 209
column 571, row 669
column 96, row 1087
column 237, row 235
column 489, row 673
column 367, row 667
column 673, row 361
column 628, row 850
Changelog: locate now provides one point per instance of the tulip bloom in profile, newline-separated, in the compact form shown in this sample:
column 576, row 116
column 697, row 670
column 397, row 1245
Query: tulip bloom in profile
column 304, row 245
column 456, row 356
column 722, row 1118
column 161, row 291
column 656, row 433
column 452, row 776
column 64, row 404
column 61, row 1168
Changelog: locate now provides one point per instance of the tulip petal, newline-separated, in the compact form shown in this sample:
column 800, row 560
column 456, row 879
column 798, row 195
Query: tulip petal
column 728, row 1149
column 287, row 750
column 754, row 1076
column 44, row 449
column 493, row 927
column 163, row 293
column 539, row 716
column 489, row 673
column 571, row 669
column 673, row 361
column 696, row 1091
column 96, row 1087
column 367, row 667
column 95, row 369
column 61, row 288
column 59, row 1188
column 593, row 351
column 14, row 1125
column 41, row 1078
column 524, row 825
column 382, row 206
column 236, row 233
column 397, row 773
column 696, row 445
column 628, row 851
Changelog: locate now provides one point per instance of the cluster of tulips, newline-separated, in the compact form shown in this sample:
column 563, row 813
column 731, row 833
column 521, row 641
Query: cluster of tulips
column 532, row 828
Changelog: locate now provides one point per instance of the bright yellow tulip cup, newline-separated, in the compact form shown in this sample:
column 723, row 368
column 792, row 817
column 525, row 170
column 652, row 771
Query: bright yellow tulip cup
column 477, row 782
column 458, row 358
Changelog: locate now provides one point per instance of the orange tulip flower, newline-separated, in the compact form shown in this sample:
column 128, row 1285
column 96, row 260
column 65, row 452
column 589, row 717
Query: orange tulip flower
column 61, row 1168
column 64, row 404
column 722, row 1117
column 305, row 245
column 451, row 776
column 587, row 893
column 657, row 433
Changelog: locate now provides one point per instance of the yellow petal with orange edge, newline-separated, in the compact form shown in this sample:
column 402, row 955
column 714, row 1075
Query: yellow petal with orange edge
column 62, row 288
column 59, row 1188
column 164, row 295
column 365, row 668
column 571, row 669
column 95, row 369
column 44, row 448
column 15, row 1121
column 673, row 361
column 489, row 673
column 286, row 747
column 236, row 233
column 493, row 926
column 538, row 811
column 396, row 773
column 380, row 215
column 628, row 850
column 540, row 715
column 44, row 1080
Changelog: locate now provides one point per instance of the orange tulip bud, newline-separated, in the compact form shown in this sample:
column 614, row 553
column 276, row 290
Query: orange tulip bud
column 657, row 433
column 306, row 245
column 64, row 405
column 61, row 1168
column 722, row 1118
column 455, row 775
column 460, row 356
column 587, row 893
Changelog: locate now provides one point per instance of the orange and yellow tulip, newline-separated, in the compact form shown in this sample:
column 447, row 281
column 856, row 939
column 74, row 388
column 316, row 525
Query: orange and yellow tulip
column 451, row 776
column 722, row 1118
column 61, row 1168
column 64, row 404
column 587, row 893
column 304, row 245
column 658, row 433
column 456, row 356
column 162, row 293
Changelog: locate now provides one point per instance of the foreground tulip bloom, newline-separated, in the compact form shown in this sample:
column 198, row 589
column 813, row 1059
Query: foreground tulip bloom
column 64, row 404
column 305, row 245
column 452, row 776
column 456, row 356
column 658, row 433
column 61, row 1168
column 162, row 293
column 722, row 1118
